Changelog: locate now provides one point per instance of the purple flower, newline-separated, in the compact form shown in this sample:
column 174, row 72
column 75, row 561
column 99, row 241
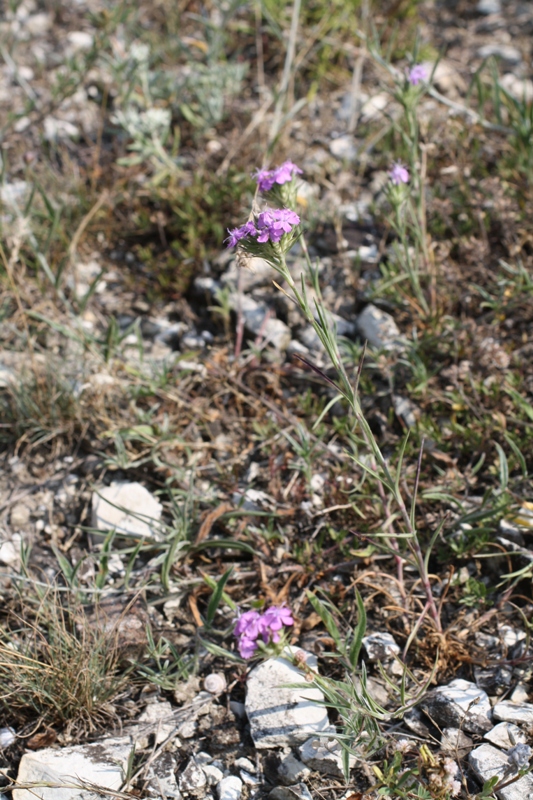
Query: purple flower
column 285, row 173
column 398, row 174
column 276, row 617
column 272, row 224
column 247, row 647
column 267, row 178
column 417, row 74
column 249, row 625
column 235, row 235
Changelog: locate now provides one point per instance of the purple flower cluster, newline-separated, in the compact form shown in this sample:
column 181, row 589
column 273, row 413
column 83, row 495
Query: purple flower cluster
column 398, row 174
column 251, row 625
column 417, row 74
column 267, row 178
column 269, row 227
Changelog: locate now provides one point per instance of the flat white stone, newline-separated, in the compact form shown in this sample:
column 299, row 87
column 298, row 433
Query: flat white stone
column 506, row 52
column 256, row 272
column 460, row 704
column 281, row 716
column 514, row 712
column 229, row 788
column 292, row 770
column 128, row 508
column 380, row 646
column 193, row 779
column 487, row 761
column 103, row 764
column 501, row 734
column 325, row 756
column 260, row 320
column 379, row 328
column 344, row 148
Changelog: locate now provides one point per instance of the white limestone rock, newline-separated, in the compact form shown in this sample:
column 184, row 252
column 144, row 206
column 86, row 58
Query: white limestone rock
column 260, row 320
column 193, row 779
column 501, row 734
column 460, row 704
column 486, row 761
column 281, row 716
column 103, row 764
column 514, row 712
column 128, row 508
column 291, row 770
column 379, row 328
column 325, row 756
column 380, row 646
column 162, row 778
column 229, row 788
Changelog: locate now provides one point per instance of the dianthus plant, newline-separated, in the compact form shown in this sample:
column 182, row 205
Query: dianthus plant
column 270, row 233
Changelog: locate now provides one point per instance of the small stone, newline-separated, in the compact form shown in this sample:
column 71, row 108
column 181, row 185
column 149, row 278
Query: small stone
column 10, row 551
column 161, row 778
column 460, row 704
column 486, row 761
column 281, row 716
column 406, row 410
column 261, row 321
column 521, row 90
column 375, row 106
column 325, row 756
column 344, row 148
column 237, row 709
column 7, row 737
column 297, row 792
column 80, row 40
column 379, row 328
column 291, row 770
column 455, row 741
column 501, row 735
column 193, row 779
column 520, row 694
column 213, row 774
column 245, row 763
column 489, row 7
column 511, row 637
column 256, row 272
column 380, row 646
column 59, row 129
column 506, row 52
column 494, row 680
column 103, row 763
column 513, row 712
column 20, row 516
column 159, row 717
column 229, row 788
column 127, row 508
column 38, row 24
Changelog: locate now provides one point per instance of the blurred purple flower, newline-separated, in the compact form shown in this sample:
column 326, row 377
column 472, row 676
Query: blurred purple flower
column 399, row 174
column 285, row 173
column 417, row 74
column 267, row 178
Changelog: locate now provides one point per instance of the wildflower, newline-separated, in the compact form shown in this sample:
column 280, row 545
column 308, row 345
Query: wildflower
column 237, row 234
column 249, row 625
column 273, row 621
column 402, row 745
column 455, row 788
column 519, row 756
column 252, row 624
column 286, row 172
column 267, row 178
column 417, row 74
column 398, row 174
column 450, row 767
column 247, row 647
